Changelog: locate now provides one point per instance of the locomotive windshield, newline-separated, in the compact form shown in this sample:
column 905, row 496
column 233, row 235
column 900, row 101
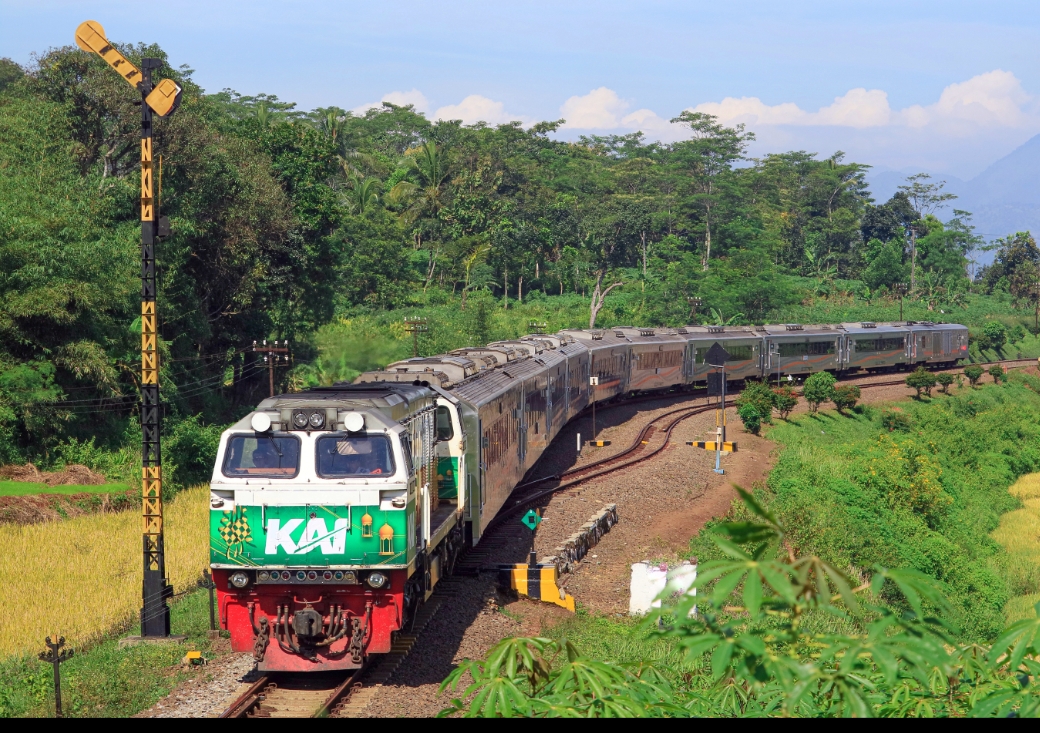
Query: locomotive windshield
column 344, row 456
column 269, row 456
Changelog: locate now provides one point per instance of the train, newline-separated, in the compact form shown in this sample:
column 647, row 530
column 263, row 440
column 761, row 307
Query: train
column 335, row 511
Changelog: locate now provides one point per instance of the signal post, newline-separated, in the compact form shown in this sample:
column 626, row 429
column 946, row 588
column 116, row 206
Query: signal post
column 161, row 99
column 717, row 357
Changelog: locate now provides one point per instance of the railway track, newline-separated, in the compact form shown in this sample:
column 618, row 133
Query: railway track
column 347, row 695
column 616, row 461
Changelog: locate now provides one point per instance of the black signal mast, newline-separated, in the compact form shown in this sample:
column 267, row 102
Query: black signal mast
column 161, row 99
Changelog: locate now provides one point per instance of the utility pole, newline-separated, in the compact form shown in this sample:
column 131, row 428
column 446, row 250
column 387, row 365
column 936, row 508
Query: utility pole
column 162, row 99
column 695, row 303
column 271, row 354
column 900, row 289
column 415, row 326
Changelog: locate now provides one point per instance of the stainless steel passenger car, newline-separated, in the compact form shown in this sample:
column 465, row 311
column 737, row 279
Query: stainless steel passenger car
column 512, row 398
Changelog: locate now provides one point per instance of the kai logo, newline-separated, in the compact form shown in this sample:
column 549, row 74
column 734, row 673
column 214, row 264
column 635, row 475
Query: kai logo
column 315, row 535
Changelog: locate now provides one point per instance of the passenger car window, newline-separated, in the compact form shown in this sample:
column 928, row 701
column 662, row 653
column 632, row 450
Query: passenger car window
column 262, row 456
column 353, row 455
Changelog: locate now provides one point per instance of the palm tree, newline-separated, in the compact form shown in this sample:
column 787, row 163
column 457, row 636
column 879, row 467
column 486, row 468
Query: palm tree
column 426, row 162
column 363, row 192
column 331, row 121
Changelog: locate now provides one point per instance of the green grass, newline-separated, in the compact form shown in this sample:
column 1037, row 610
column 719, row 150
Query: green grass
column 626, row 640
column 23, row 488
column 927, row 498
column 104, row 680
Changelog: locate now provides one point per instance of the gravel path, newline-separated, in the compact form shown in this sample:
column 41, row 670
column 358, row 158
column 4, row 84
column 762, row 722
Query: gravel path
column 209, row 691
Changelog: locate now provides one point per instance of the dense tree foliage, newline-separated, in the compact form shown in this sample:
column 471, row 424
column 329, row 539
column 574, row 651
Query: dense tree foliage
column 284, row 221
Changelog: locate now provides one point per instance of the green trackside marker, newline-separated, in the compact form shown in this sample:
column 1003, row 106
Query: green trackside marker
column 531, row 519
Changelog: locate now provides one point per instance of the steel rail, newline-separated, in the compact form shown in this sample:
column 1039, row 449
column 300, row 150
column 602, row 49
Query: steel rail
column 527, row 501
column 244, row 703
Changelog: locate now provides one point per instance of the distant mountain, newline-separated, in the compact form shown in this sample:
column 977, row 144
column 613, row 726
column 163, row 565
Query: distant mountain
column 1004, row 198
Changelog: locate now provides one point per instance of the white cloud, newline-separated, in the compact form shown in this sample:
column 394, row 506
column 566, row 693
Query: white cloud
column 401, row 99
column 752, row 110
column 600, row 109
column 857, row 108
column 476, row 108
column 995, row 98
column 603, row 109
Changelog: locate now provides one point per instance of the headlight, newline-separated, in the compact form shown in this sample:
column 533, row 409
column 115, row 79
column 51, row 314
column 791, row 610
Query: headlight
column 376, row 580
column 300, row 420
column 317, row 419
column 239, row 579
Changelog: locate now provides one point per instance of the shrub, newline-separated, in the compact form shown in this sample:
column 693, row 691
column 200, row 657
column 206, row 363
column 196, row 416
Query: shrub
column 945, row 379
column 819, row 388
column 997, row 372
column 974, row 373
column 895, row 420
column 751, row 418
column 192, row 448
column 995, row 334
column 845, row 397
column 922, row 380
column 784, row 400
column 759, row 396
column 1016, row 333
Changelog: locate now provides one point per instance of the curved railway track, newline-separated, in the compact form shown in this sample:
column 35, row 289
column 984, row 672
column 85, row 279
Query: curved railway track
column 322, row 695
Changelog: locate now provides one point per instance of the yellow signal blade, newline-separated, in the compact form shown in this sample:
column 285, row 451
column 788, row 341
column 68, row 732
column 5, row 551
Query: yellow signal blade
column 164, row 98
column 90, row 36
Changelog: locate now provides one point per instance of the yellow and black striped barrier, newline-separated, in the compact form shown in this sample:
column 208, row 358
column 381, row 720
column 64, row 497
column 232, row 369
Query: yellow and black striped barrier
column 727, row 446
column 599, row 443
column 533, row 580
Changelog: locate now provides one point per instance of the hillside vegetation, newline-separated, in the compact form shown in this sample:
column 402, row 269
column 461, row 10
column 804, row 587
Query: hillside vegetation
column 925, row 495
column 862, row 580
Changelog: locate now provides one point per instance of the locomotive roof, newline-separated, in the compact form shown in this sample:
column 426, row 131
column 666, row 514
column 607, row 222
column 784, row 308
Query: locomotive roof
column 395, row 401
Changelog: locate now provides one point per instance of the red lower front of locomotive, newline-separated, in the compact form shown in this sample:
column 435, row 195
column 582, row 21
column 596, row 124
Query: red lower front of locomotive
column 310, row 628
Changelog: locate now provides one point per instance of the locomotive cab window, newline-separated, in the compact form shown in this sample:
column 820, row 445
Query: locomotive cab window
column 342, row 456
column 444, row 429
column 262, row 456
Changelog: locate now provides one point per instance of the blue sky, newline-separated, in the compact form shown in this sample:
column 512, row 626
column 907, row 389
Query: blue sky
column 942, row 86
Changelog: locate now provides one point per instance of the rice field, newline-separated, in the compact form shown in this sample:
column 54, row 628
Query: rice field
column 81, row 577
column 1019, row 533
